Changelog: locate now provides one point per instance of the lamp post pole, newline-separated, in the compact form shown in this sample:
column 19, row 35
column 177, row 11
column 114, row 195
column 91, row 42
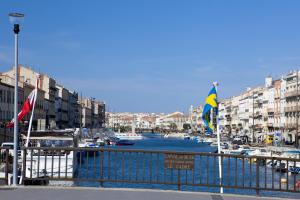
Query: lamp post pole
column 15, row 163
column 297, row 114
column 15, row 18
column 253, row 117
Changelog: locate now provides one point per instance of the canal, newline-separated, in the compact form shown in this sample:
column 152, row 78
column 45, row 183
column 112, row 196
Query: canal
column 141, row 169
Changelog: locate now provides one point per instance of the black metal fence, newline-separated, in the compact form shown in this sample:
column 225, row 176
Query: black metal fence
column 5, row 164
column 105, row 166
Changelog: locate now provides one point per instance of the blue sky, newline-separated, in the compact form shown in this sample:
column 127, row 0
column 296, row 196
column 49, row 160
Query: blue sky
column 154, row 55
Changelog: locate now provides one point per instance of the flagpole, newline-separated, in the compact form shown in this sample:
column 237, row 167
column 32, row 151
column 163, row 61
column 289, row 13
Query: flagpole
column 219, row 142
column 30, row 124
column 32, row 112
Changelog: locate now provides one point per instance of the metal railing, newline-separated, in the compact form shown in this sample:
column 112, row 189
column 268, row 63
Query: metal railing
column 5, row 164
column 106, row 166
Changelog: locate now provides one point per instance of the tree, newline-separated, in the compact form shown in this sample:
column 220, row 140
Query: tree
column 186, row 127
column 173, row 126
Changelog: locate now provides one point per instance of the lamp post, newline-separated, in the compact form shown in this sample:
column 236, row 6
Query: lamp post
column 297, row 114
column 253, row 138
column 15, row 19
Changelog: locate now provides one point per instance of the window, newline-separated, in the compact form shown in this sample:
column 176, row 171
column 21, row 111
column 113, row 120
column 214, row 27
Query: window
column 8, row 96
column 4, row 96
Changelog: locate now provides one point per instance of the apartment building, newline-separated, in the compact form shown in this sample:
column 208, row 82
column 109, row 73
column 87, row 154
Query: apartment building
column 28, row 77
column 56, row 106
column 62, row 107
column 48, row 85
column 73, row 109
column 291, row 109
column 269, row 108
column 39, row 116
column 254, row 111
column 98, row 114
column 86, row 112
column 195, row 119
column 27, row 80
column 7, row 98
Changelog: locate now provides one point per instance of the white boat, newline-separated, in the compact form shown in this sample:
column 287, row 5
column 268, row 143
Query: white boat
column 207, row 141
column 242, row 150
column 233, row 151
column 175, row 135
column 293, row 167
column 223, row 145
column 51, row 163
column 260, row 152
column 128, row 136
column 96, row 142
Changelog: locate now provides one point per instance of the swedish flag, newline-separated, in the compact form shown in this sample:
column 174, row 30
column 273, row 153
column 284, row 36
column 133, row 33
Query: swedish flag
column 210, row 103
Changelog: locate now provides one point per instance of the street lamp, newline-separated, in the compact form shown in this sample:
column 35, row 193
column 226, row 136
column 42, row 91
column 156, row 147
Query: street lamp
column 16, row 19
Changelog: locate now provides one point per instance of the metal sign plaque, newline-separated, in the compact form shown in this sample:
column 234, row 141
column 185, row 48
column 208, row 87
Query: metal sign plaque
column 179, row 161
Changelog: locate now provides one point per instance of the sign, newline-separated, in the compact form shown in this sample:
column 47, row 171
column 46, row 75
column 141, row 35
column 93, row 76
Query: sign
column 179, row 161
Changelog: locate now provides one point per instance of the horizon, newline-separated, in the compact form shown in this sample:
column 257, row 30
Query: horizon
column 154, row 57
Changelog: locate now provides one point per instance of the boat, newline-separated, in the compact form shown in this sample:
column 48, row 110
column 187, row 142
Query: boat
column 223, row 145
column 233, row 151
column 260, row 152
column 207, row 141
column 54, row 163
column 186, row 137
column 238, row 150
column 176, row 136
column 92, row 145
column 111, row 140
column 124, row 143
column 128, row 136
column 293, row 167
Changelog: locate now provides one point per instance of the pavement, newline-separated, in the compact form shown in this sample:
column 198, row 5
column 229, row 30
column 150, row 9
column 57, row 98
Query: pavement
column 83, row 193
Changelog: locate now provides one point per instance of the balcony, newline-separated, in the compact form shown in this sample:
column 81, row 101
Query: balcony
column 291, row 108
column 270, row 110
column 291, row 125
column 291, row 94
column 257, row 105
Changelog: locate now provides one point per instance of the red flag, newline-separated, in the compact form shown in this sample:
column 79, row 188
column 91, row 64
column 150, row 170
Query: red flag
column 27, row 107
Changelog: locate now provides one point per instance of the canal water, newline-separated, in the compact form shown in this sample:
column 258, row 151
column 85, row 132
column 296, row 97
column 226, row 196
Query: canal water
column 156, row 142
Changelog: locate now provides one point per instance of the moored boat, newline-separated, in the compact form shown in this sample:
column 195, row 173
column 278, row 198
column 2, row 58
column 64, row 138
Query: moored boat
column 50, row 162
column 124, row 143
column 128, row 136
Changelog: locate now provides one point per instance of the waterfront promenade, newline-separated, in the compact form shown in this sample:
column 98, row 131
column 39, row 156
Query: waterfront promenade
column 80, row 193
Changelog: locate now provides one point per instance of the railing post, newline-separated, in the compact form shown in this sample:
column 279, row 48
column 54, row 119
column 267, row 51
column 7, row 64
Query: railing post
column 6, row 165
column 24, row 165
column 179, row 183
column 101, row 167
column 257, row 176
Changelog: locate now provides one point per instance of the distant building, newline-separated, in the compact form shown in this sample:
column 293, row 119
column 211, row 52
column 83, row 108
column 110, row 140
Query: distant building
column 27, row 79
column 48, row 84
column 56, row 106
column 92, row 113
column 62, row 107
column 98, row 114
column 7, row 105
column 73, row 110
column 291, row 109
